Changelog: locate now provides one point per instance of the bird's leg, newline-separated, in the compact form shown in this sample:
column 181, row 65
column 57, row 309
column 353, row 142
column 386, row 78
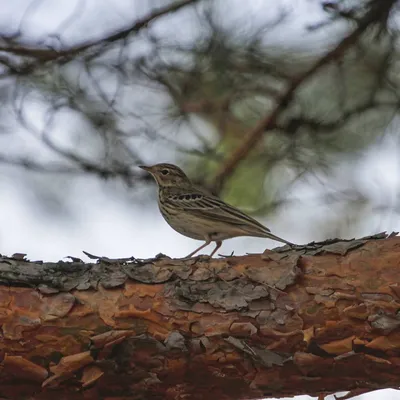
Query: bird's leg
column 208, row 241
column 218, row 245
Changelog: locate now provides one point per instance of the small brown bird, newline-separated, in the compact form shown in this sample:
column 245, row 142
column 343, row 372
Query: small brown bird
column 199, row 215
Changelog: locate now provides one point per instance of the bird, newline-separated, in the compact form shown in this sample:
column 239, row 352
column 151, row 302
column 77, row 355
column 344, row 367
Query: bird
column 196, row 214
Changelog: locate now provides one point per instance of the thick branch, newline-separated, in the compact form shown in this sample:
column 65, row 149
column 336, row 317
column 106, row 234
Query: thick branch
column 317, row 319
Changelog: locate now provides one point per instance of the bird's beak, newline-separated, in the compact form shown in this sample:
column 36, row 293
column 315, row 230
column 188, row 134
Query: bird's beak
column 148, row 169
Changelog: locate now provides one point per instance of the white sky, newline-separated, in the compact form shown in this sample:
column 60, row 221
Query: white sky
column 109, row 225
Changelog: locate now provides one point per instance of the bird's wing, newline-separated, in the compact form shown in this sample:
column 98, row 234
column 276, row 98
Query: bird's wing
column 210, row 207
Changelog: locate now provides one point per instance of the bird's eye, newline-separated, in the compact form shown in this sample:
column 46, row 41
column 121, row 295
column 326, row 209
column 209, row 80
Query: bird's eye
column 165, row 172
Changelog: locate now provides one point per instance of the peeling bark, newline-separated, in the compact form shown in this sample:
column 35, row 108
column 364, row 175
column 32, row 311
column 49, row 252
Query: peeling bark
column 311, row 320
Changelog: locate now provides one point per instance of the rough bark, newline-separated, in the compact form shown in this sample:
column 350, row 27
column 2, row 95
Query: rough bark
column 315, row 319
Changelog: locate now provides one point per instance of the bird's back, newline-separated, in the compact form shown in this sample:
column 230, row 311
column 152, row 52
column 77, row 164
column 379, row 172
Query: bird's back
column 197, row 214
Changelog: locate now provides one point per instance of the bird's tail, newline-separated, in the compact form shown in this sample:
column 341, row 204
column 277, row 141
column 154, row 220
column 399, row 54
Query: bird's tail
column 277, row 238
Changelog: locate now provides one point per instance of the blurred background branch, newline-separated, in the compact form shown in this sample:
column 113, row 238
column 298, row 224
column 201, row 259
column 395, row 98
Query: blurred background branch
column 42, row 55
column 374, row 15
column 279, row 109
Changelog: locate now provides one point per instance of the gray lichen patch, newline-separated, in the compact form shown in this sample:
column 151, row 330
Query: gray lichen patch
column 276, row 275
column 60, row 276
column 175, row 340
column 148, row 273
column 259, row 355
column 234, row 295
column 337, row 246
column 385, row 321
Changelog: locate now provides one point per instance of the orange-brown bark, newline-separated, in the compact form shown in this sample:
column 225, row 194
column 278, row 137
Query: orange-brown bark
column 315, row 319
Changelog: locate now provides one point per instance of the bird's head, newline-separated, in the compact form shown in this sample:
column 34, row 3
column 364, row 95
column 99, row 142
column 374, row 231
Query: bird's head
column 168, row 175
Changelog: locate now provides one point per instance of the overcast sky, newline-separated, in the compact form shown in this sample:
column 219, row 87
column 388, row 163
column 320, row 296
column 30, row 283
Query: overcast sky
column 108, row 225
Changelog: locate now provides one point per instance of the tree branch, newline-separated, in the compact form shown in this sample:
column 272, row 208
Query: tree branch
column 377, row 12
column 42, row 55
column 313, row 320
